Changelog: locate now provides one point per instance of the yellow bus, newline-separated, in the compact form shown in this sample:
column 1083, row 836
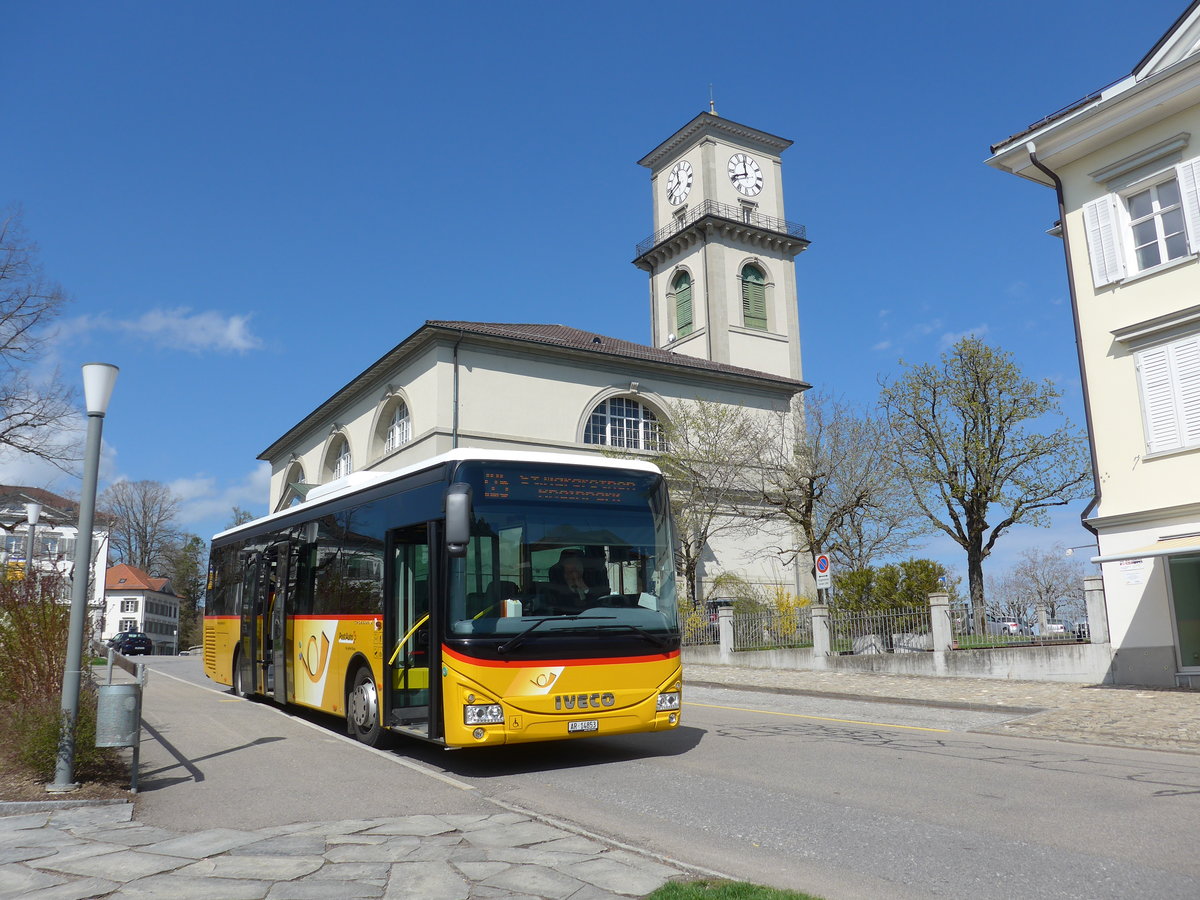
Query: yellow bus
column 477, row 598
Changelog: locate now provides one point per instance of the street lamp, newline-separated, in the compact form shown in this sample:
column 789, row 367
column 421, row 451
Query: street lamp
column 98, row 381
column 33, row 512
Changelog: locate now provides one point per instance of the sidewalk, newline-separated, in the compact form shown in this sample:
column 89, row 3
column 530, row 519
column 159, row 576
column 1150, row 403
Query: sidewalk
column 1092, row 714
column 218, row 816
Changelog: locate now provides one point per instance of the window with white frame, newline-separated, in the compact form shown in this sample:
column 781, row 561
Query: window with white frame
column 622, row 422
column 341, row 458
column 1146, row 224
column 399, row 429
column 1156, row 223
column 1169, row 378
column 129, row 606
column 128, row 625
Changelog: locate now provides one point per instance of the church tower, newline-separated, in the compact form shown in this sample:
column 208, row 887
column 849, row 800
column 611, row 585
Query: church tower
column 720, row 260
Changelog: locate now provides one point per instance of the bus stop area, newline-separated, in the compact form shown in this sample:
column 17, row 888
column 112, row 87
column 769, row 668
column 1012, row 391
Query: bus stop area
column 238, row 800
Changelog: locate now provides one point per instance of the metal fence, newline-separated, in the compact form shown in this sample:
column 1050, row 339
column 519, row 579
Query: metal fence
column 696, row 631
column 887, row 631
column 772, row 630
column 1006, row 631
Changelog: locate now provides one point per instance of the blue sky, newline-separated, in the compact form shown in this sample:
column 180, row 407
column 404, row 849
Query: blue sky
column 250, row 202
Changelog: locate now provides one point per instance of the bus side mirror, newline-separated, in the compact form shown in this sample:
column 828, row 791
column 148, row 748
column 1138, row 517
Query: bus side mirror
column 458, row 518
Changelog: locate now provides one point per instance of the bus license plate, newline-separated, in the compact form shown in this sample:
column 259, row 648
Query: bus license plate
column 584, row 725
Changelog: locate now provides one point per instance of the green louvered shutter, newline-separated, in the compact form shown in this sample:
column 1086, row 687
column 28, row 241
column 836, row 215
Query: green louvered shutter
column 683, row 304
column 754, row 298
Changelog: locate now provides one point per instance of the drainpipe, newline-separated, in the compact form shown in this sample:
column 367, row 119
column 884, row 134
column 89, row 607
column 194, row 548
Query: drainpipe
column 454, row 425
column 1031, row 149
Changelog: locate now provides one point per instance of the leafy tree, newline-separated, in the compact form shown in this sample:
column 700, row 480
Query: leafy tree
column 967, row 439
column 32, row 411
column 900, row 585
column 186, row 568
column 827, row 469
column 145, row 524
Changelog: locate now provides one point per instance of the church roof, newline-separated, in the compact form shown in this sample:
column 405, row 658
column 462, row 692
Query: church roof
column 561, row 337
column 590, row 341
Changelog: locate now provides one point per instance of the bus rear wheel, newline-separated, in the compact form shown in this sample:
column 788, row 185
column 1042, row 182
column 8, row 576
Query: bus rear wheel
column 362, row 708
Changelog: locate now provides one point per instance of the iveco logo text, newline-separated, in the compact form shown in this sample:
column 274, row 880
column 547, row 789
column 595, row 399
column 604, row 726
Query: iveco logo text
column 583, row 701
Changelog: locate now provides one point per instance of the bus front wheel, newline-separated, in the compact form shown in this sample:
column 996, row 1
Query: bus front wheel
column 239, row 687
column 362, row 708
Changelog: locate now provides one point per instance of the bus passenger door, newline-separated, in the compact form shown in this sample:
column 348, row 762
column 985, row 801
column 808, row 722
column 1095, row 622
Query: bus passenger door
column 410, row 660
column 274, row 658
column 245, row 667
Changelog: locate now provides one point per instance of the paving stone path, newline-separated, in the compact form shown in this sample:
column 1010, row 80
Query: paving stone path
column 99, row 851
column 1150, row 718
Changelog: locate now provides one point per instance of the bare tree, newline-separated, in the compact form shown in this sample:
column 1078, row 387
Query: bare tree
column 239, row 516
column 709, row 448
column 827, row 469
column 32, row 410
column 966, row 439
column 145, row 529
column 1042, row 578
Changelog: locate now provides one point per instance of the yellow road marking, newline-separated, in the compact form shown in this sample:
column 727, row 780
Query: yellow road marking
column 767, row 712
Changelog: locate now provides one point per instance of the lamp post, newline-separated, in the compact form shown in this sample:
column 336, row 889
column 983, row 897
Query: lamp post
column 33, row 512
column 98, row 381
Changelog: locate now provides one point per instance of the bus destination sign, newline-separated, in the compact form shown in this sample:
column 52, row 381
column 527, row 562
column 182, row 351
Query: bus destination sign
column 550, row 486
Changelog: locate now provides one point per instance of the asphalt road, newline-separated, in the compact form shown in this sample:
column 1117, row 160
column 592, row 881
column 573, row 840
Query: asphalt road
column 844, row 799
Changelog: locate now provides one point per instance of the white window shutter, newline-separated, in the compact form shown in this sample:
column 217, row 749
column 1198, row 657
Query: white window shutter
column 1158, row 400
column 1104, row 240
column 1188, row 173
column 1186, row 362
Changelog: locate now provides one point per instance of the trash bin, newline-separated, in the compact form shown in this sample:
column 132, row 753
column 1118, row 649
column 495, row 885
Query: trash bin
column 119, row 715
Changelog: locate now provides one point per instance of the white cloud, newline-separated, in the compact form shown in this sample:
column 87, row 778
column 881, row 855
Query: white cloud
column 949, row 339
column 882, row 345
column 206, row 506
column 177, row 329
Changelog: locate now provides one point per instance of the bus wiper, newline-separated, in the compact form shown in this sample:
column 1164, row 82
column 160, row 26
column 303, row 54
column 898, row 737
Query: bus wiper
column 648, row 635
column 519, row 638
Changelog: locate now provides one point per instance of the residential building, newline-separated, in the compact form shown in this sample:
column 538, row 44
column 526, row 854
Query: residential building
column 134, row 601
column 724, row 325
column 55, row 535
column 1127, row 174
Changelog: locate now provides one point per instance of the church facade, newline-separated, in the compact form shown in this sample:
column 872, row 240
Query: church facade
column 724, row 329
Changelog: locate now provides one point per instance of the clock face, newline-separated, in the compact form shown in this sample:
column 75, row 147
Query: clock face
column 745, row 174
column 679, row 182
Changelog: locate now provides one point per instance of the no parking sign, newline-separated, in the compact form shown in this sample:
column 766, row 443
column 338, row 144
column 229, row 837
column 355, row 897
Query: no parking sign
column 824, row 579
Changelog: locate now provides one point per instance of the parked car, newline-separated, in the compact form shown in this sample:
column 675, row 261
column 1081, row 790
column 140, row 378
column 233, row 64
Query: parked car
column 998, row 625
column 136, row 643
column 117, row 638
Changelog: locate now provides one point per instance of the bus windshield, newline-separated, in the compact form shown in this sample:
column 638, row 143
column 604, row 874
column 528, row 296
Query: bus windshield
column 554, row 552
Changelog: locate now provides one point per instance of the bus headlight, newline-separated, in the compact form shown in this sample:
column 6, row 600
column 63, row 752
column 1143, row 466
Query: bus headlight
column 668, row 701
column 483, row 714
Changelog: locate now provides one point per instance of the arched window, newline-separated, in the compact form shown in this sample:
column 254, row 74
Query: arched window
column 339, row 457
column 754, row 297
column 399, row 429
column 682, row 286
column 621, row 422
column 294, row 487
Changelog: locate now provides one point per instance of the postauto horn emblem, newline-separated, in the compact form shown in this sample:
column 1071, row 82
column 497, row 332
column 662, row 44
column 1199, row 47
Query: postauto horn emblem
column 583, row 701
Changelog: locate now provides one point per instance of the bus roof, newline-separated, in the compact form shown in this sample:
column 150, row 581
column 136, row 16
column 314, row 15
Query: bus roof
column 360, row 481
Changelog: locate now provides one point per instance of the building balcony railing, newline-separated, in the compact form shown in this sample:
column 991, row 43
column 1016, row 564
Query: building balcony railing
column 741, row 214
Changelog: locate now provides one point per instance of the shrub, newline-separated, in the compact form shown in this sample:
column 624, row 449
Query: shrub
column 35, row 618
column 34, row 731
